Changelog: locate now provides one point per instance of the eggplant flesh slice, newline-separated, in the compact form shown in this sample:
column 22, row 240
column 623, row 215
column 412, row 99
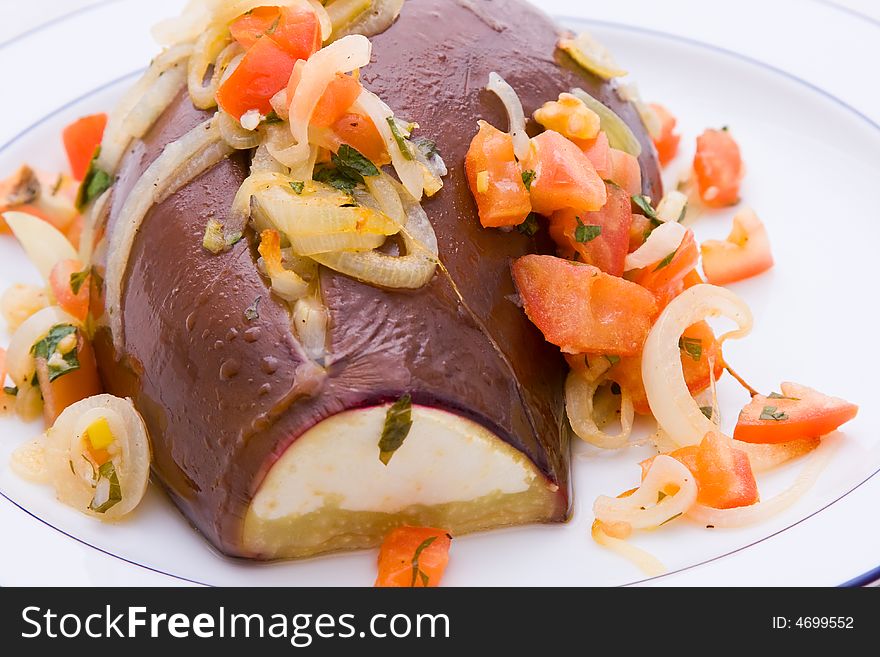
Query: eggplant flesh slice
column 271, row 455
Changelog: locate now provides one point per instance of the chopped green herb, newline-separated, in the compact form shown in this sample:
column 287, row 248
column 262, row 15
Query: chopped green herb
column 107, row 472
column 398, row 421
column 78, row 278
column 95, row 182
column 665, row 262
column 48, row 347
column 530, row 226
column 643, row 204
column 216, row 240
column 708, row 411
column 352, row 164
column 399, row 138
column 660, row 495
column 613, row 359
column 252, row 312
column 297, row 186
column 670, row 519
column 272, row 117
column 528, row 177
column 693, row 347
column 416, row 571
column 337, row 178
column 586, row 233
column 770, row 413
column 776, row 395
column 11, row 390
column 425, row 146
column 682, row 214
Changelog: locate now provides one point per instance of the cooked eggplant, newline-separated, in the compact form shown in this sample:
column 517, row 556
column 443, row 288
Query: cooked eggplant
column 272, row 454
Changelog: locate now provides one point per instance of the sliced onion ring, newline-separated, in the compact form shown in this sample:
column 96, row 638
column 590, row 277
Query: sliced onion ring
column 19, row 359
column 662, row 241
column 579, row 395
column 619, row 134
column 668, row 395
column 515, row 115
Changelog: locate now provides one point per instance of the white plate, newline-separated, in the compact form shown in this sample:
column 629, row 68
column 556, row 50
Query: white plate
column 809, row 126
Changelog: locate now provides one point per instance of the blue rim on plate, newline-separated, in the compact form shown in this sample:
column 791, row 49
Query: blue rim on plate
column 864, row 579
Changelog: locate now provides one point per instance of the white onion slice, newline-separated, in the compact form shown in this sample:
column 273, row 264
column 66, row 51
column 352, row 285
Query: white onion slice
column 672, row 207
column 579, row 394
column 748, row 515
column 408, row 170
column 213, row 49
column 310, row 320
column 19, row 359
column 44, row 244
column 662, row 241
column 668, row 395
column 644, row 561
column 515, row 115
column 72, row 475
column 342, row 56
column 95, row 219
column 377, row 19
column 768, row 456
column 641, row 510
column 180, row 162
column 29, row 461
column 234, row 134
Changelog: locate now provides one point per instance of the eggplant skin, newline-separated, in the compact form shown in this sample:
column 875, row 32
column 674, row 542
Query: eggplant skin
column 224, row 396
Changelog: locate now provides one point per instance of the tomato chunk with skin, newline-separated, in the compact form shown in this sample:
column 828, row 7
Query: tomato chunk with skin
column 608, row 250
column 75, row 303
column 697, row 341
column 745, row 252
column 724, row 475
column 625, row 171
column 264, row 71
column 295, row 29
column 718, row 167
column 72, row 387
column 664, row 278
column 81, row 139
column 598, row 150
column 413, row 557
column 580, row 309
column 564, row 176
column 360, row 133
column 667, row 140
column 495, row 179
column 334, row 103
column 799, row 412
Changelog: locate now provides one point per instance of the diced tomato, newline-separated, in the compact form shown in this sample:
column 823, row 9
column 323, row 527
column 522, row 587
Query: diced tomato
column 724, row 475
column 638, row 231
column 341, row 93
column 625, row 172
column 74, row 230
column 564, row 176
column 598, row 150
column 609, row 249
column 77, row 304
column 745, row 252
column 81, row 139
column 719, row 168
column 72, row 387
column 666, row 141
column 697, row 340
column 360, row 133
column 495, row 179
column 581, row 309
column 413, row 557
column 665, row 279
column 295, row 29
column 263, row 72
column 800, row 412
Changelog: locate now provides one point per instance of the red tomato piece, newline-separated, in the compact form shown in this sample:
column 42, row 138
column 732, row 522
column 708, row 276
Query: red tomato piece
column 598, row 151
column 495, row 179
column 800, row 412
column 564, row 176
column 697, row 340
column 360, row 133
column 625, row 172
column 667, row 140
column 294, row 29
column 580, row 309
column 745, row 252
column 81, row 139
column 664, row 278
column 413, row 557
column 72, row 387
column 340, row 94
column 608, row 250
column 718, row 167
column 263, row 72
column 249, row 27
column 77, row 304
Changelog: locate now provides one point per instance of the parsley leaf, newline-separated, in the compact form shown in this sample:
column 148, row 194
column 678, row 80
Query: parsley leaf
column 427, row 147
column 336, row 178
column 528, row 177
column 693, row 347
column 272, row 117
column 708, row 411
column 216, row 240
column 399, row 138
column 48, row 347
column 107, row 472
column 398, row 421
column 78, row 278
column 297, row 186
column 353, row 162
column 770, row 413
column 586, row 233
column 776, row 395
column 530, row 226
column 613, row 359
column 665, row 262
column 416, row 570
column 94, row 183
column 643, row 204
